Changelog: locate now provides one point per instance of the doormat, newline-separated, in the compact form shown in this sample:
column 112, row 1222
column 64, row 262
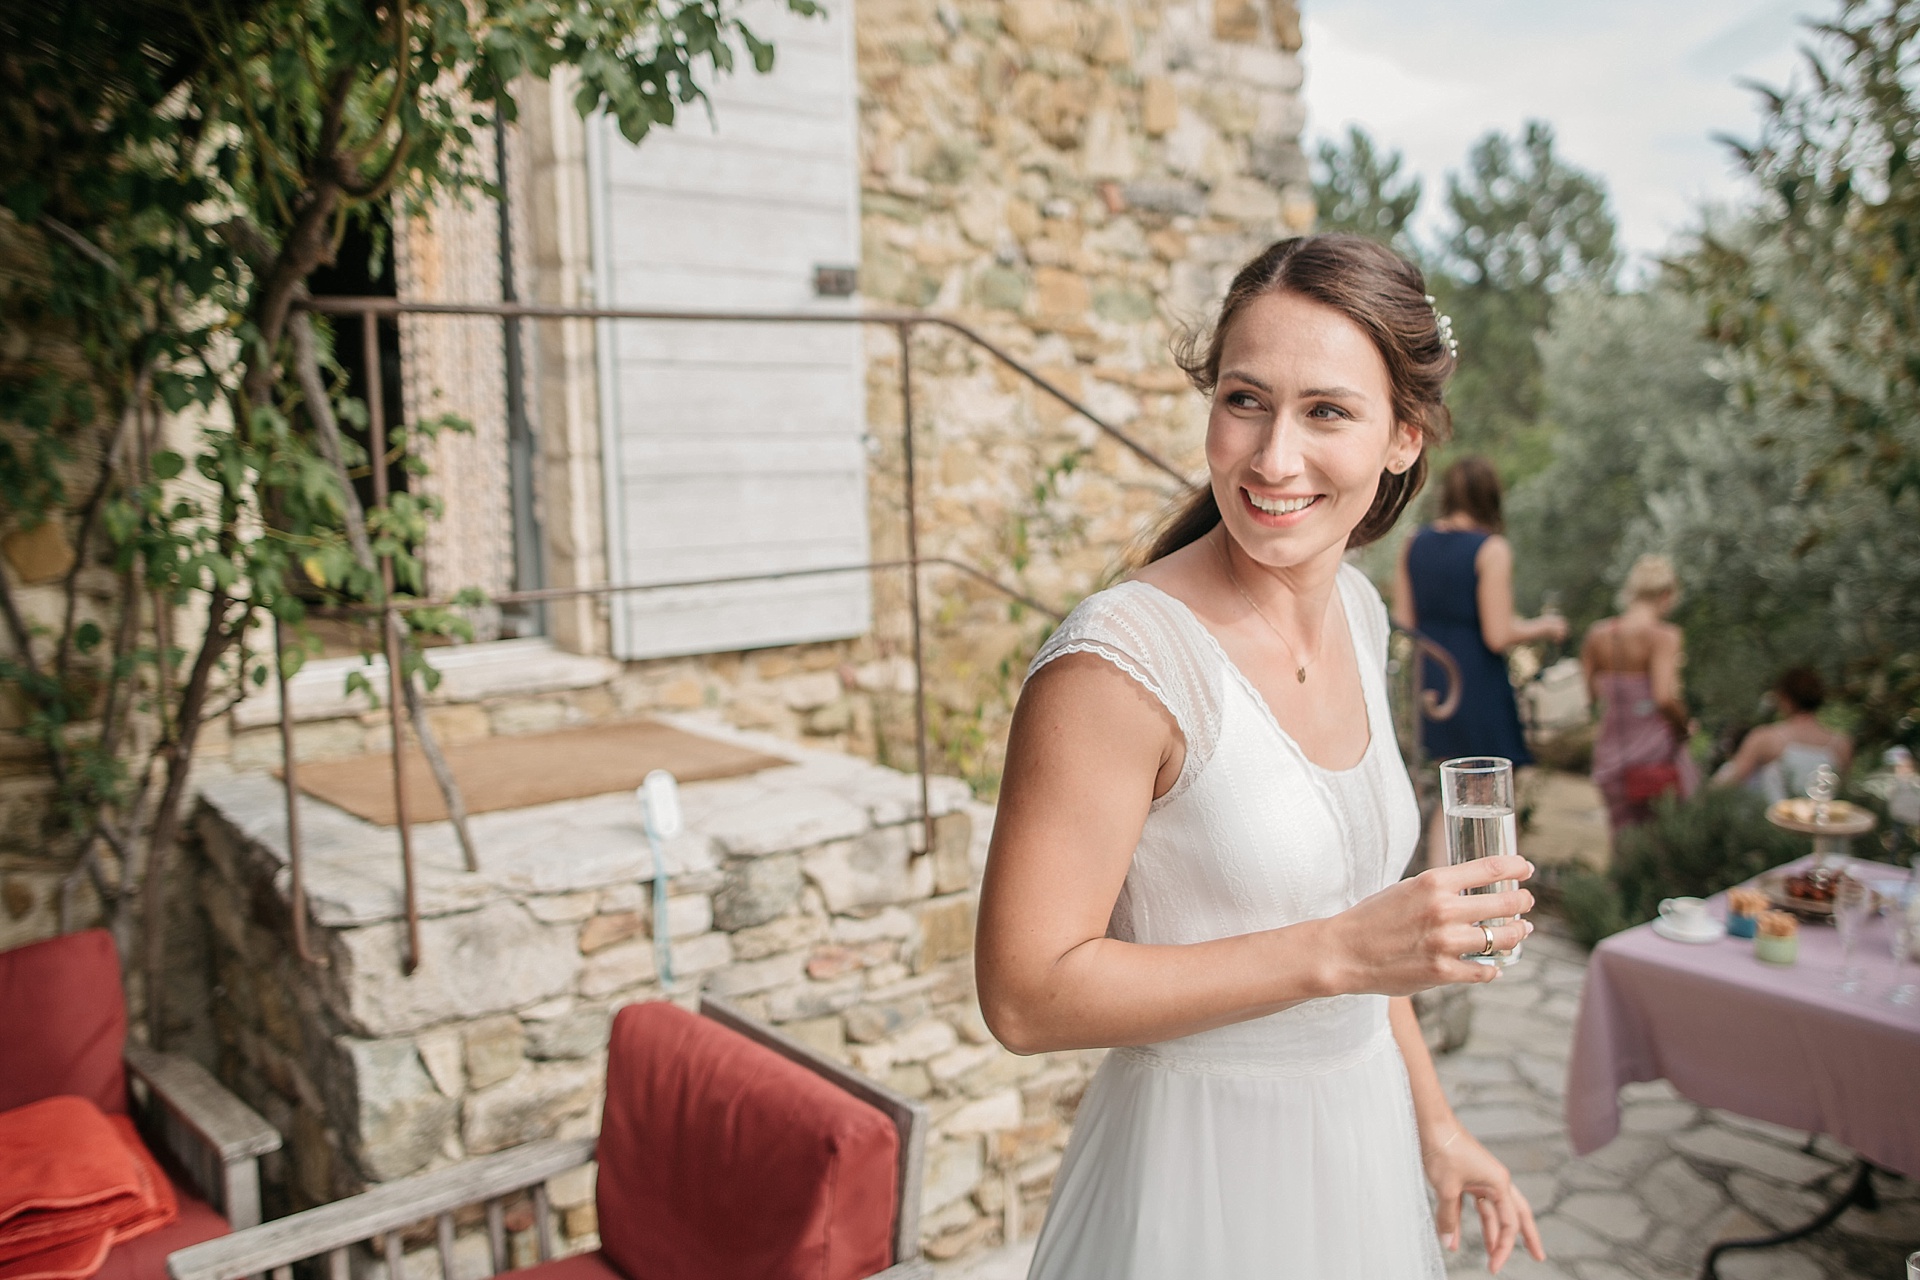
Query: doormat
column 536, row 768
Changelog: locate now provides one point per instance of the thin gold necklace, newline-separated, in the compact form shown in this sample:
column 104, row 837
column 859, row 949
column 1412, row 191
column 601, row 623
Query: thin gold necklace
column 1300, row 668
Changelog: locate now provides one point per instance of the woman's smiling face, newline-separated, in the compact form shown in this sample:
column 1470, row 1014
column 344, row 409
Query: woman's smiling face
column 1301, row 428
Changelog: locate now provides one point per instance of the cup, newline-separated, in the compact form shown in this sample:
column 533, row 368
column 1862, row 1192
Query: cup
column 1686, row 915
column 1476, row 792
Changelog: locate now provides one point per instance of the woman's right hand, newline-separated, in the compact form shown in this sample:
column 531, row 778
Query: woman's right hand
column 1411, row 935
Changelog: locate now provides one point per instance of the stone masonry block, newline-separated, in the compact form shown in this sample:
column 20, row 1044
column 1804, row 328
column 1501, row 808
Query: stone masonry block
column 443, row 1050
column 824, row 1035
column 700, row 954
column 530, row 1105
column 689, row 914
column 562, row 908
column 617, row 968
column 952, row 839
column 400, row 1118
column 788, row 933
column 955, row 1063
column 994, row 1112
column 622, row 897
column 574, row 1187
column 946, row 930
column 953, row 1167
column 784, row 820
column 602, row 931
column 458, row 977
column 927, row 1039
column 572, row 1035
column 757, row 890
column 759, row 975
column 872, row 1021
column 495, row 1048
column 871, row 871
column 814, row 999
column 889, row 922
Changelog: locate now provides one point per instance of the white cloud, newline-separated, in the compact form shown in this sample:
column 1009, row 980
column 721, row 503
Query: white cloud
column 1635, row 89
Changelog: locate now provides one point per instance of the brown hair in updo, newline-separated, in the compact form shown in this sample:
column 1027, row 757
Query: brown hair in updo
column 1385, row 295
column 1471, row 488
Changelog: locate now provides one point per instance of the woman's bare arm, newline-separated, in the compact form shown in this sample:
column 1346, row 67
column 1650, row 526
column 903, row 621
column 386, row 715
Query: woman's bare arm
column 1088, row 750
column 1760, row 747
column 1403, row 611
column 1456, row 1163
column 1499, row 627
column 1589, row 662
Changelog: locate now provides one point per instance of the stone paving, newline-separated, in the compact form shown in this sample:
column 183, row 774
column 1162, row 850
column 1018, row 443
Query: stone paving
column 1645, row 1206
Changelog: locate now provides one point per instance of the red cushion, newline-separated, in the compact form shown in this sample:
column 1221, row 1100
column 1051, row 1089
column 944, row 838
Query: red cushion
column 721, row 1159
column 66, row 1022
column 145, row 1257
column 581, row 1266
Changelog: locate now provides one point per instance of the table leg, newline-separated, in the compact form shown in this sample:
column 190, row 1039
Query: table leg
column 1859, row 1192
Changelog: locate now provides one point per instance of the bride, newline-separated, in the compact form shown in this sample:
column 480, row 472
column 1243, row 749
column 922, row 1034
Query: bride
column 1203, row 820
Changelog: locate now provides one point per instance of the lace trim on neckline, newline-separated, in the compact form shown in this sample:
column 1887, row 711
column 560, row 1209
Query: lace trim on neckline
column 1259, row 700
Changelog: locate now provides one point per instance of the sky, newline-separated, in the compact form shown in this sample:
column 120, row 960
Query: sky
column 1635, row 89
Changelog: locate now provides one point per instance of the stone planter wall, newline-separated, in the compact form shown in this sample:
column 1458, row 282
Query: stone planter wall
column 800, row 893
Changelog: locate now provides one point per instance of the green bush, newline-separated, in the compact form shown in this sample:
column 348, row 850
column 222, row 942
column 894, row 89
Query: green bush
column 1591, row 903
column 1694, row 847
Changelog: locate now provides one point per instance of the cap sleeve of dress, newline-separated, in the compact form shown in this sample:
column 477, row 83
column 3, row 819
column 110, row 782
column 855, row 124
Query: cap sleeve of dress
column 1158, row 642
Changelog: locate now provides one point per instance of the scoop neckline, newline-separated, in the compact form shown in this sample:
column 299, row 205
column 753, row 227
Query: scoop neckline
column 1259, row 700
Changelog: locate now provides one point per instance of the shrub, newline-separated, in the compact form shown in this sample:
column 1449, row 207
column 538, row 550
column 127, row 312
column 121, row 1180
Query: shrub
column 1694, row 847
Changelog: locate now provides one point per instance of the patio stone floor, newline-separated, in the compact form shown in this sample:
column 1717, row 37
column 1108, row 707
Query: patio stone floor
column 1646, row 1206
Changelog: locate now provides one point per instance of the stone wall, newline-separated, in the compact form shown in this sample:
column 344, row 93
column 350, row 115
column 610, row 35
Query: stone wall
column 1074, row 178
column 801, row 893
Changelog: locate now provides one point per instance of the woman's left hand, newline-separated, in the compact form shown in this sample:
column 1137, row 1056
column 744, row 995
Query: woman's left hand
column 1458, row 1167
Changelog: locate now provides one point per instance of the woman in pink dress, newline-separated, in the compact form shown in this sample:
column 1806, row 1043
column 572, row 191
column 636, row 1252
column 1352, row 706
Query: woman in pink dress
column 1632, row 663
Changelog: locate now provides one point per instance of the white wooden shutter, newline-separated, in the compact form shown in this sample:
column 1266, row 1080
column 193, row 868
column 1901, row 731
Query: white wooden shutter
column 736, row 448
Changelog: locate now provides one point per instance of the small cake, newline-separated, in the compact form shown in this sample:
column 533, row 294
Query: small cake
column 1777, row 937
column 1743, row 908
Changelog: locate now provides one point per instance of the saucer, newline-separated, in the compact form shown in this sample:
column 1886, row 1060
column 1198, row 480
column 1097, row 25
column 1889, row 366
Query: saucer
column 1713, row 932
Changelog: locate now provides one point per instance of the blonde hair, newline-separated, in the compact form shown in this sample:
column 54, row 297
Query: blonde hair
column 1650, row 578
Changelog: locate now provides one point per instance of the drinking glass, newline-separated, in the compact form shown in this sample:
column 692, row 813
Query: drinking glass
column 1476, row 793
column 1903, row 935
column 1852, row 904
column 1913, row 1265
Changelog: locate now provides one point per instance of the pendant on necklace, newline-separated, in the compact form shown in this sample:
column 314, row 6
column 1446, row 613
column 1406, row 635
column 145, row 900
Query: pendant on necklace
column 1300, row 674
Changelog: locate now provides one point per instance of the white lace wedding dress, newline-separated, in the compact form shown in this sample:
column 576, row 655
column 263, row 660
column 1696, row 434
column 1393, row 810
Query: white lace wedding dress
column 1284, row 1146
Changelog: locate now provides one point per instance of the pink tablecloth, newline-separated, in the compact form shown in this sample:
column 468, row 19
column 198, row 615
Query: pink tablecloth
column 1777, row 1044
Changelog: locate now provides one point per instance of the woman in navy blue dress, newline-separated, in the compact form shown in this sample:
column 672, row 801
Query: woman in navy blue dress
column 1455, row 586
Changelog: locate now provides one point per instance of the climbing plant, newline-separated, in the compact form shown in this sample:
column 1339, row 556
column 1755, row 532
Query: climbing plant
column 169, row 419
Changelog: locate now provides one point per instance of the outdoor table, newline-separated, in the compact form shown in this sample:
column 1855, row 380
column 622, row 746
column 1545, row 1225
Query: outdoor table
column 1775, row 1043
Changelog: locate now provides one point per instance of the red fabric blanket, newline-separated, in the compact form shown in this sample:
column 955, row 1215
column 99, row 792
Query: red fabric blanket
column 74, row 1183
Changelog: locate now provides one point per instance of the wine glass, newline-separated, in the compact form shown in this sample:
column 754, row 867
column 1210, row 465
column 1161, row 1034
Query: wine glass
column 1852, row 904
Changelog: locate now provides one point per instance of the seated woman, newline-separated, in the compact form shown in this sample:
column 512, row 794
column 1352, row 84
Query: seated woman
column 1778, row 760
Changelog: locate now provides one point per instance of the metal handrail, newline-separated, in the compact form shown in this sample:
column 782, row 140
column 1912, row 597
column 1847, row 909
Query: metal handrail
column 372, row 309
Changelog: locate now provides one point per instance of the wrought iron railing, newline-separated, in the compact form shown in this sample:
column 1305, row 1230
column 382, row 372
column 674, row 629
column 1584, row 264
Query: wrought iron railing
column 371, row 310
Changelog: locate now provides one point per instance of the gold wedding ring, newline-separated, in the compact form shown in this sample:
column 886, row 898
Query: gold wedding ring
column 1488, row 949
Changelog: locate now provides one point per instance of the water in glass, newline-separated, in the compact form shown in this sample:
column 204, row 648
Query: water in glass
column 1852, row 904
column 1903, row 937
column 1477, row 795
